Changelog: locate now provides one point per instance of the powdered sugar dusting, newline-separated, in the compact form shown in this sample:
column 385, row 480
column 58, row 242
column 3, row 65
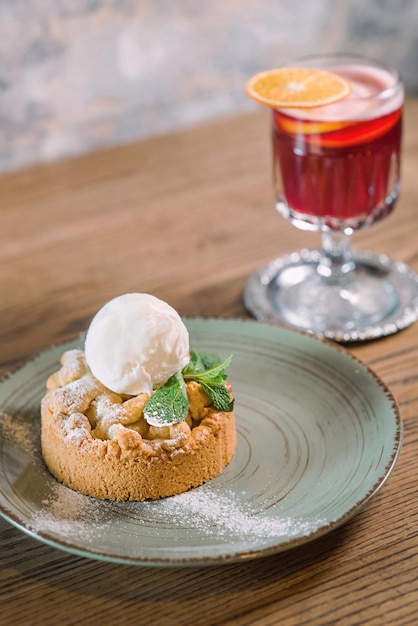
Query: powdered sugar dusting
column 224, row 513
column 18, row 431
column 70, row 514
column 220, row 515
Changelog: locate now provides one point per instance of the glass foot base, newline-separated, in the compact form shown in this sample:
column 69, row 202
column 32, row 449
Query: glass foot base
column 378, row 298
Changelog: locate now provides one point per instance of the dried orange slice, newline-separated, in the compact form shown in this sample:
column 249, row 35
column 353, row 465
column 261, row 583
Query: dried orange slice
column 296, row 87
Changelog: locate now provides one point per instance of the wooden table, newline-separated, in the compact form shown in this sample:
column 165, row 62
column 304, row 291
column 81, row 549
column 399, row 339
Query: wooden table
column 187, row 217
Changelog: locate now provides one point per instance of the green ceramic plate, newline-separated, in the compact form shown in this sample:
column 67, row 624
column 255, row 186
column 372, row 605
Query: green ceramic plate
column 318, row 434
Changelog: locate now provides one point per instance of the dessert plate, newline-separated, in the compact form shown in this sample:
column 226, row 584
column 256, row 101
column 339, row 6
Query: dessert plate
column 318, row 435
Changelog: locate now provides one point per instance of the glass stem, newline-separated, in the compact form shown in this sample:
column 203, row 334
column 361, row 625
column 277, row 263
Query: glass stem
column 336, row 258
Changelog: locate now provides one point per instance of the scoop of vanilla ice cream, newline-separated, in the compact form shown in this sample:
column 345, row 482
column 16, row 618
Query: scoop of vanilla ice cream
column 135, row 343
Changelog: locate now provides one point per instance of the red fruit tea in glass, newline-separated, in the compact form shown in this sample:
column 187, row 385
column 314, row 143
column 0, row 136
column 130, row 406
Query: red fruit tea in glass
column 338, row 166
column 336, row 170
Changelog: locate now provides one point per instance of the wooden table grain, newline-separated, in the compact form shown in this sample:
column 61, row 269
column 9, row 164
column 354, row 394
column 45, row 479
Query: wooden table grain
column 187, row 217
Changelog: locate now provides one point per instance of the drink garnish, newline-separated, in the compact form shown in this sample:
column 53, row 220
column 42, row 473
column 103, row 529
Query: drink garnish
column 297, row 87
column 169, row 404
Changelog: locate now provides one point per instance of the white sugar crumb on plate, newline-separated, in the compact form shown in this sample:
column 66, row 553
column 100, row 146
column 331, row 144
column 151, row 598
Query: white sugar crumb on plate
column 221, row 515
column 225, row 514
column 66, row 512
column 18, row 431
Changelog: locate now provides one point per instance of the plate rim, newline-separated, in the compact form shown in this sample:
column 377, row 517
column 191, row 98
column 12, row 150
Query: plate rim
column 240, row 555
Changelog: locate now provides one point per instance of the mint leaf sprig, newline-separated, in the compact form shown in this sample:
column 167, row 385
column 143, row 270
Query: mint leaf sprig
column 170, row 404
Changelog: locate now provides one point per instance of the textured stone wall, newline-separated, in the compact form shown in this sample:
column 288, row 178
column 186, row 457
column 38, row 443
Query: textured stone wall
column 76, row 75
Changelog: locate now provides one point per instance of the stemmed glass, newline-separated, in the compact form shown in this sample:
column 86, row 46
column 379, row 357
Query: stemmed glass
column 337, row 170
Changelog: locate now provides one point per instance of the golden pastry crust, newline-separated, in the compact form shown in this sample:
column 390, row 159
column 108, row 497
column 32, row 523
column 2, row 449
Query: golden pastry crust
column 98, row 442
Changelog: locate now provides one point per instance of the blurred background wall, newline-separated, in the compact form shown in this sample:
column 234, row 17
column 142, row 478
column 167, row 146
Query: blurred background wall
column 77, row 75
